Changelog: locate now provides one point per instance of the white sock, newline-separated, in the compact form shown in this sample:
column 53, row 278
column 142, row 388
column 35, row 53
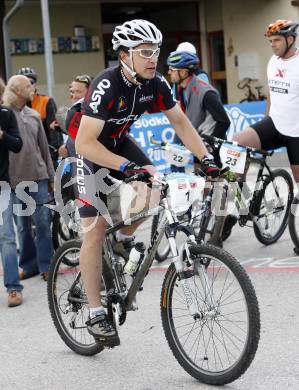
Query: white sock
column 122, row 237
column 96, row 311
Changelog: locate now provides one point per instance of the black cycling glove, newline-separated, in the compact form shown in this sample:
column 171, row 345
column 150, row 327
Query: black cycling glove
column 209, row 167
column 132, row 169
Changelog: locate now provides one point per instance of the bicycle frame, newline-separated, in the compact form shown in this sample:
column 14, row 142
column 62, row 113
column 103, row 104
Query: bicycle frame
column 168, row 219
column 241, row 203
column 168, row 224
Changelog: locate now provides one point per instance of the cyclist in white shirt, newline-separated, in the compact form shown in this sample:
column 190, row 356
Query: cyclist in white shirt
column 280, row 127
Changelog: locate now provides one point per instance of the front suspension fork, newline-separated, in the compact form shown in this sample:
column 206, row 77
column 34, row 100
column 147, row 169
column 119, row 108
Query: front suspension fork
column 186, row 275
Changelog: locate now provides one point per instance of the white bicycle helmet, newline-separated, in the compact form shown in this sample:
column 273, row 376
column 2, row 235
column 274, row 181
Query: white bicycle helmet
column 134, row 33
column 186, row 47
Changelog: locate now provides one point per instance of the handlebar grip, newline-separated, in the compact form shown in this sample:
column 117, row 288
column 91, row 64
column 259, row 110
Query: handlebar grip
column 224, row 170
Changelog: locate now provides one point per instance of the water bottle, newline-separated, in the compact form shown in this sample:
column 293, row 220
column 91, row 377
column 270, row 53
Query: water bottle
column 135, row 257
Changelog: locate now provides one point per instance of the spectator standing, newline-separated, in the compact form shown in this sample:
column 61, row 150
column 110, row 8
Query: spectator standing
column 46, row 107
column 33, row 164
column 10, row 141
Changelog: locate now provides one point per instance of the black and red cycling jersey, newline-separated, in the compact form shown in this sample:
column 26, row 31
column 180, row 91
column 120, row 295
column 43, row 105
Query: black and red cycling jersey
column 115, row 100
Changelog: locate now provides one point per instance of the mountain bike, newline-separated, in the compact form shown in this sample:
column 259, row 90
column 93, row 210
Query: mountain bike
column 250, row 95
column 210, row 314
column 267, row 207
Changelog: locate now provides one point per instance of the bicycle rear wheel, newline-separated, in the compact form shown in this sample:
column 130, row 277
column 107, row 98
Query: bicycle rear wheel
column 273, row 206
column 219, row 347
column 67, row 299
column 294, row 223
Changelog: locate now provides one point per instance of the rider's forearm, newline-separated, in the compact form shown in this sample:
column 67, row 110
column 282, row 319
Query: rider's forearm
column 97, row 153
column 191, row 139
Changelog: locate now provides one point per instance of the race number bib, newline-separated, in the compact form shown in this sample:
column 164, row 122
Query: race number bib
column 183, row 190
column 233, row 157
column 177, row 155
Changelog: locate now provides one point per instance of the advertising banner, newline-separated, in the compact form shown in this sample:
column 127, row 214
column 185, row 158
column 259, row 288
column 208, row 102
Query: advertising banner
column 243, row 115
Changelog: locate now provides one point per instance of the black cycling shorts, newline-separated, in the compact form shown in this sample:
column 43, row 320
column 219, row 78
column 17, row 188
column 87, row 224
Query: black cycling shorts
column 89, row 185
column 271, row 138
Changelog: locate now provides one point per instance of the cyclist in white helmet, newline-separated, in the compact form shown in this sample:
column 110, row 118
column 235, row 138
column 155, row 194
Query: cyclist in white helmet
column 115, row 100
column 188, row 47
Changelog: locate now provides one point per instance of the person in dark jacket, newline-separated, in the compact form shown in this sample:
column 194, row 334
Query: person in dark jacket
column 10, row 141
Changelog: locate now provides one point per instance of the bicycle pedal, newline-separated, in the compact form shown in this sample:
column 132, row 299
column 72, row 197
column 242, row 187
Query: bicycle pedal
column 108, row 344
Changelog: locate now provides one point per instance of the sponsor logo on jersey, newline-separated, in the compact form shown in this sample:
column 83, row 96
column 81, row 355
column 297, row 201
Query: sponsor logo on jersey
column 125, row 80
column 97, row 94
column 121, row 121
column 279, row 86
column 280, row 73
column 122, row 104
column 279, row 90
column 80, row 175
column 145, row 99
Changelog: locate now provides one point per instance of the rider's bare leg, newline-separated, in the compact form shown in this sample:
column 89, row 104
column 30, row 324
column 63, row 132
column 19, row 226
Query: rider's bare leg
column 248, row 137
column 146, row 198
column 91, row 258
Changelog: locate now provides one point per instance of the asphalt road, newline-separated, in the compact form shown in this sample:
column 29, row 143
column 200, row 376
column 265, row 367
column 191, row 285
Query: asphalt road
column 32, row 356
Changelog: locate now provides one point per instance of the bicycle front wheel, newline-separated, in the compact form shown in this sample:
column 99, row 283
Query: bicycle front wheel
column 218, row 347
column 273, row 206
column 68, row 301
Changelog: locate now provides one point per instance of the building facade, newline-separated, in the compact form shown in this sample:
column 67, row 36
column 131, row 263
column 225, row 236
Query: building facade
column 229, row 36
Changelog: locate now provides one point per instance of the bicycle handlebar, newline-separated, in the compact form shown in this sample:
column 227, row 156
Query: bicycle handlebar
column 249, row 149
